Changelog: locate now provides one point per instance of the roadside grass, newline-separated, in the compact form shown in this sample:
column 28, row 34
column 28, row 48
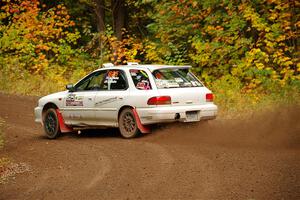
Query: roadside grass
column 24, row 83
column 234, row 102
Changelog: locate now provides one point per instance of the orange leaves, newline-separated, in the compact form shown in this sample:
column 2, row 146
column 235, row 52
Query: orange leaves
column 126, row 50
column 42, row 36
column 42, row 47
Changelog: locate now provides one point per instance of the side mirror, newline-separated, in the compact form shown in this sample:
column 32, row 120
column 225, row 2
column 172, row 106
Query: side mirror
column 70, row 87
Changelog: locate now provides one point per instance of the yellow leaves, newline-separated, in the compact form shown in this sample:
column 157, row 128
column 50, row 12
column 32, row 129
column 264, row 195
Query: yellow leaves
column 153, row 55
column 251, row 15
column 209, row 28
column 273, row 16
column 237, row 71
column 269, row 44
column 194, row 4
column 267, row 59
column 280, row 38
column 281, row 59
column 275, row 76
column 259, row 66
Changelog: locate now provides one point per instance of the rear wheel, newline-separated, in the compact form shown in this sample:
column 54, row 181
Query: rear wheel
column 127, row 124
column 51, row 124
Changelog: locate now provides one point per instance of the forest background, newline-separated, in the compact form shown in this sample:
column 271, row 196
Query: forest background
column 246, row 51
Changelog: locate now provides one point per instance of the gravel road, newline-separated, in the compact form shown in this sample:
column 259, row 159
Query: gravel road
column 257, row 158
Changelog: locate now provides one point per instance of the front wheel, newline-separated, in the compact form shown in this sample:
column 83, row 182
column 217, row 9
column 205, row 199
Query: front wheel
column 51, row 124
column 127, row 124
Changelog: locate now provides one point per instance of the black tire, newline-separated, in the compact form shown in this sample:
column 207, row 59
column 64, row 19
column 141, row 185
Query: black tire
column 51, row 124
column 127, row 124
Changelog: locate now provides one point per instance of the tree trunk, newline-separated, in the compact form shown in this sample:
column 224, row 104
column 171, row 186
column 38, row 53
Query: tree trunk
column 119, row 14
column 100, row 13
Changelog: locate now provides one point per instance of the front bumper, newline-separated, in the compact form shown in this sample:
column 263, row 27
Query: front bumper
column 163, row 114
column 38, row 114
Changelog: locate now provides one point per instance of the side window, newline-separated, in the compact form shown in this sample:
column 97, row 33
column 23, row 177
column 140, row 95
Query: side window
column 115, row 80
column 140, row 79
column 92, row 82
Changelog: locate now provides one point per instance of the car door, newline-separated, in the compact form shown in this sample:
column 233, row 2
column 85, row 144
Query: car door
column 112, row 96
column 79, row 106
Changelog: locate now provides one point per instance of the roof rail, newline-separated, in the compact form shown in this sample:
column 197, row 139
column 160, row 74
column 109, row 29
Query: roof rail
column 108, row 65
column 132, row 63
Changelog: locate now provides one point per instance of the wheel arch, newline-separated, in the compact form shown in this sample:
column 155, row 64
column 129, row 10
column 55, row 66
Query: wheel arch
column 122, row 108
column 141, row 127
column 47, row 106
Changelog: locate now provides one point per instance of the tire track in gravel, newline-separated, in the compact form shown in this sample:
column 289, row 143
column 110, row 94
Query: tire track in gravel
column 143, row 163
column 164, row 164
column 103, row 170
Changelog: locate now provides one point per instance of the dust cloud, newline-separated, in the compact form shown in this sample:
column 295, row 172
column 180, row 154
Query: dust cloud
column 277, row 128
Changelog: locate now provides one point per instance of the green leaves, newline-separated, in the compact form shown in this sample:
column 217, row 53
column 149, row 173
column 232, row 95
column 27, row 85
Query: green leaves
column 253, row 41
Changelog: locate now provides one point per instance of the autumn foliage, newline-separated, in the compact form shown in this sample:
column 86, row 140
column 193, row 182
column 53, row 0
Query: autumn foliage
column 235, row 46
column 254, row 41
column 36, row 37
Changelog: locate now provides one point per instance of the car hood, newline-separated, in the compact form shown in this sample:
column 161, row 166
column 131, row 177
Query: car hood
column 52, row 97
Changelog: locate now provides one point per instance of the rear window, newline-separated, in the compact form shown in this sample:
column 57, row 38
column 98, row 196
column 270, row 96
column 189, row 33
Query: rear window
column 175, row 78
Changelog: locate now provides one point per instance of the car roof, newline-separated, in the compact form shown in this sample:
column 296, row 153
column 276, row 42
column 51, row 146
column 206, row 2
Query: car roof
column 149, row 67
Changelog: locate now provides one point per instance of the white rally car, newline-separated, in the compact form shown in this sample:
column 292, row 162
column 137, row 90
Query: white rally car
column 130, row 97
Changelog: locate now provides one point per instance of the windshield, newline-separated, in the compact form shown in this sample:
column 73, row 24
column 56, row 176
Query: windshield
column 175, row 78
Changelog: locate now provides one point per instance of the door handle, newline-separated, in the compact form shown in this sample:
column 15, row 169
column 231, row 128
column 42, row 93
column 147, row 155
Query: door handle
column 90, row 99
column 189, row 102
column 121, row 98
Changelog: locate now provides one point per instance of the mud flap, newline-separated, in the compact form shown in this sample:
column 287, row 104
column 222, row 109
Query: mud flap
column 142, row 128
column 63, row 127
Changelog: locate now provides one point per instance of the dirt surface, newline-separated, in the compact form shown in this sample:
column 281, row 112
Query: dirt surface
column 256, row 158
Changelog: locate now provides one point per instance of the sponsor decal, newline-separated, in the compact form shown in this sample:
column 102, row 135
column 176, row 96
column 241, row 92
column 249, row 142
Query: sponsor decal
column 106, row 101
column 73, row 100
column 112, row 77
column 140, row 79
column 143, row 85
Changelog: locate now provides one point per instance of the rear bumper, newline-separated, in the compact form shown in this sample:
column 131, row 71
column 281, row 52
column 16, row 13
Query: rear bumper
column 165, row 114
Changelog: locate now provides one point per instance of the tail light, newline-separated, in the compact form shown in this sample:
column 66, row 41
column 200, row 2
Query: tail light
column 209, row 97
column 161, row 100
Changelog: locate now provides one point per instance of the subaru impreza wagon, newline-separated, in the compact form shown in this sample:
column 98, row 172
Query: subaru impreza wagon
column 129, row 97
